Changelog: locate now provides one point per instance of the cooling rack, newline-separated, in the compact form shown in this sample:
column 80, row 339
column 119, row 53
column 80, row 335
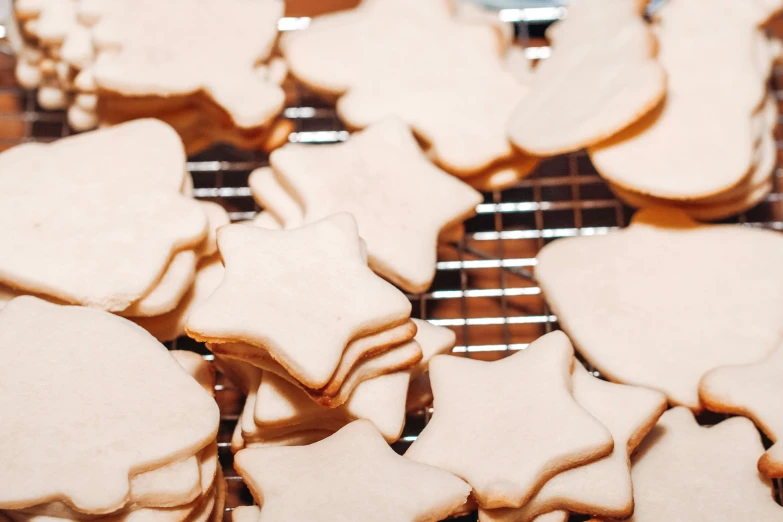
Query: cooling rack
column 483, row 289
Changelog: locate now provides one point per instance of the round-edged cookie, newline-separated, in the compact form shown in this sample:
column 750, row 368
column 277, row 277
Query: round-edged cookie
column 649, row 305
column 78, row 384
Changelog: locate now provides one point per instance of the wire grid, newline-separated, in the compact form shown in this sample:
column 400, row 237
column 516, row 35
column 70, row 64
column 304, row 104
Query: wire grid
column 483, row 289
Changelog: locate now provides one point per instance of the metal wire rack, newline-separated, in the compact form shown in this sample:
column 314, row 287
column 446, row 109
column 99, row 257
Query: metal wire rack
column 483, row 288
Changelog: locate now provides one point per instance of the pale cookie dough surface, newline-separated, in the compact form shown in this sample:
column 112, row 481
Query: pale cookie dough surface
column 400, row 200
column 171, row 325
column 596, row 82
column 357, row 352
column 113, row 383
column 198, row 368
column 603, row 487
column 671, row 152
column 684, row 471
column 282, row 211
column 352, row 475
column 280, row 205
column 408, row 59
column 114, row 228
column 257, row 305
column 751, row 390
column 169, row 290
column 380, row 400
column 151, row 48
column 180, row 275
column 434, row 340
column 650, row 306
column 265, row 219
column 401, row 357
column 518, row 418
column 742, row 197
column 173, row 485
column 216, row 217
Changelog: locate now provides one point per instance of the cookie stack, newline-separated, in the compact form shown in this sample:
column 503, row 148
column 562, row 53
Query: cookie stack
column 403, row 204
column 104, row 220
column 109, row 62
column 106, row 424
column 304, row 305
column 685, row 154
column 277, row 412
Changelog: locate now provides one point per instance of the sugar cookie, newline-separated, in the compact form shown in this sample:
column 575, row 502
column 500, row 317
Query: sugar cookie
column 114, row 381
column 171, row 325
column 326, row 256
column 594, row 84
column 400, row 357
column 603, row 487
column 370, row 177
column 665, row 330
column 683, row 471
column 670, row 153
column 750, row 390
column 125, row 216
column 539, row 431
column 184, row 61
column 352, row 475
column 408, row 59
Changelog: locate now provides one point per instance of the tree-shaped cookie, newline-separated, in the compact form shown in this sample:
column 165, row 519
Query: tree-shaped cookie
column 91, row 399
column 751, row 390
column 664, row 301
column 415, row 60
column 108, row 203
column 352, row 475
column 602, row 487
column 514, row 427
column 301, row 295
column 400, row 200
column 151, row 48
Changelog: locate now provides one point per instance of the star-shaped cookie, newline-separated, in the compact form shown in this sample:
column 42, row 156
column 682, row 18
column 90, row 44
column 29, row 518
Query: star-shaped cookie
column 650, row 306
column 409, row 59
column 401, row 201
column 751, row 390
column 352, row 475
column 683, row 471
column 604, row 486
column 515, row 426
column 302, row 295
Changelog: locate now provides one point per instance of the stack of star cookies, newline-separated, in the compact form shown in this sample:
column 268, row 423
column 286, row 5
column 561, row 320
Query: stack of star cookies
column 108, row 62
column 104, row 219
column 277, row 412
column 302, row 304
column 686, row 154
column 106, row 424
column 403, row 204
